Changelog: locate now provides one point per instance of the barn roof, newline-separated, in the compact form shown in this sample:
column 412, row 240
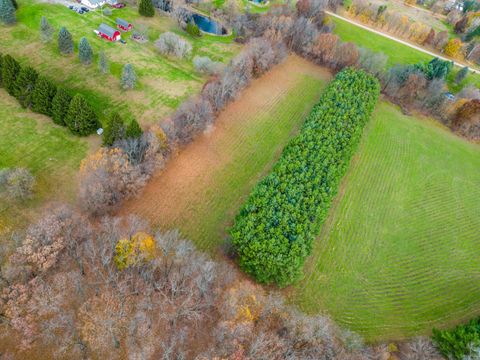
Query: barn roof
column 122, row 22
column 107, row 30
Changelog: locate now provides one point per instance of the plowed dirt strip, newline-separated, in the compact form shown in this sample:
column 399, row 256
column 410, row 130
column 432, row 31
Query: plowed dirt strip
column 202, row 188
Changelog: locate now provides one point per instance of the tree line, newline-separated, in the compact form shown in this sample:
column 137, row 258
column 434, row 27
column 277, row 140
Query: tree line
column 274, row 229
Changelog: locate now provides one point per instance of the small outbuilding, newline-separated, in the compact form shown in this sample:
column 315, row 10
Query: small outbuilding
column 123, row 25
column 108, row 33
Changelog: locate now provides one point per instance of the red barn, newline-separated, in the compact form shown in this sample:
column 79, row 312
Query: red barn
column 123, row 25
column 108, row 33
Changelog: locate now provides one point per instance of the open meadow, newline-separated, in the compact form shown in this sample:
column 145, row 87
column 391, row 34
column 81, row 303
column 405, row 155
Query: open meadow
column 398, row 252
column 163, row 82
column 202, row 188
column 49, row 151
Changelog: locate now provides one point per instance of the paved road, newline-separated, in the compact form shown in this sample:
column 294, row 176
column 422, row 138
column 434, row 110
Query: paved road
column 401, row 41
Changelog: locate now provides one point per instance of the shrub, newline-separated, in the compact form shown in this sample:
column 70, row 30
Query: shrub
column 16, row 183
column 60, row 105
column 85, row 53
column 204, row 64
column 171, row 44
column 24, row 86
column 103, row 63
column 10, row 70
column 43, row 95
column 458, row 343
column 453, row 47
column 146, row 8
column 107, row 12
column 46, row 30
column 129, row 78
column 81, row 119
column 65, row 42
column 7, row 12
column 274, row 230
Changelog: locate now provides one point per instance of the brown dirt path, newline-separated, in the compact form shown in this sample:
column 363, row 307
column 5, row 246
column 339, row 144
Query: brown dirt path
column 208, row 178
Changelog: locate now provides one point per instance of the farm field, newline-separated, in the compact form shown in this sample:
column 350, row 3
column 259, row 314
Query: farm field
column 49, row 151
column 398, row 253
column 201, row 189
column 397, row 53
column 163, row 82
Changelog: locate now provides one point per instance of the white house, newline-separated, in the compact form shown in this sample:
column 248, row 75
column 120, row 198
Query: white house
column 93, row 4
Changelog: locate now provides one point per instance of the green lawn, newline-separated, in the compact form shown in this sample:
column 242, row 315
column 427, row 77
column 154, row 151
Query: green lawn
column 163, row 82
column 399, row 251
column 397, row 53
column 49, row 151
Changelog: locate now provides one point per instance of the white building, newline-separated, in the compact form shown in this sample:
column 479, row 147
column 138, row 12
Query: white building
column 93, row 4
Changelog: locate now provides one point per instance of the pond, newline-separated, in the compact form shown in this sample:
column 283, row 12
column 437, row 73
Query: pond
column 259, row 2
column 209, row 25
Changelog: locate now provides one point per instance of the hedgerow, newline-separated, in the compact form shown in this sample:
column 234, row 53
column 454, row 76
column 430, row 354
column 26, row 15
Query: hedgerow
column 274, row 230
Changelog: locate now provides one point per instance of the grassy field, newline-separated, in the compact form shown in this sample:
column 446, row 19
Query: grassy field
column 163, row 82
column 50, row 152
column 201, row 189
column 397, row 53
column 399, row 251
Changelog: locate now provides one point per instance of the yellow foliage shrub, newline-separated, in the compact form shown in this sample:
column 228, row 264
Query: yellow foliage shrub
column 140, row 247
column 161, row 136
column 453, row 47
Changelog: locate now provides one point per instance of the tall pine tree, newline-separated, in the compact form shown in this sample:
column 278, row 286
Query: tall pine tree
column 65, row 42
column 146, row 8
column 46, row 30
column 113, row 130
column 60, row 105
column 81, row 119
column 7, row 12
column 24, row 86
column 129, row 78
column 85, row 53
column 462, row 74
column 43, row 95
column 1, row 65
column 10, row 70
column 133, row 129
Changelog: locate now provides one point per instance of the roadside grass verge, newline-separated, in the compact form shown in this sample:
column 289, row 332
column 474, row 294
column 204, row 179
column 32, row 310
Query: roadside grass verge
column 397, row 53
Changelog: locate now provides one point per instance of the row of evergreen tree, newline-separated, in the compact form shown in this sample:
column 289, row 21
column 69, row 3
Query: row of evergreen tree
column 38, row 93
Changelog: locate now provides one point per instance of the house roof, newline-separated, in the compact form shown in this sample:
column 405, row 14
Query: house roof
column 122, row 22
column 107, row 30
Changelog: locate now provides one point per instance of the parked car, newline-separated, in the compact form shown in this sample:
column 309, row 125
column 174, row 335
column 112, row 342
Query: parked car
column 119, row 5
column 122, row 41
column 85, row 9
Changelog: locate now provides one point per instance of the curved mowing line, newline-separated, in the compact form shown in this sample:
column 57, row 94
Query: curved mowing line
column 399, row 251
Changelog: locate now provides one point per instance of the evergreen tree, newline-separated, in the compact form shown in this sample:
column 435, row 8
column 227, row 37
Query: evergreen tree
column 7, row 12
column 43, row 95
column 129, row 78
column 46, row 30
column 24, row 86
column 103, row 63
column 81, row 119
column 85, row 53
column 1, row 65
column 60, row 105
column 113, row 130
column 65, row 42
column 133, row 129
column 146, row 8
column 10, row 70
column 193, row 29
column 461, row 75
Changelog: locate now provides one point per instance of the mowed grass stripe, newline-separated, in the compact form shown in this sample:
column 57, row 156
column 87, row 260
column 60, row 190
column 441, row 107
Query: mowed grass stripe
column 398, row 253
column 201, row 190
